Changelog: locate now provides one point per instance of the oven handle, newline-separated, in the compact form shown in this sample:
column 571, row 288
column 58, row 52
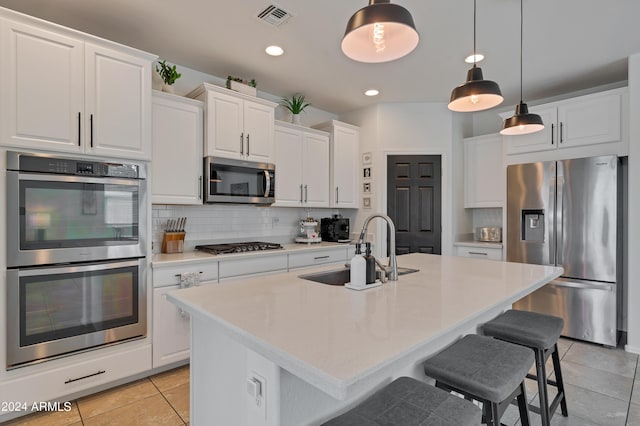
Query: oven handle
column 70, row 269
column 80, row 179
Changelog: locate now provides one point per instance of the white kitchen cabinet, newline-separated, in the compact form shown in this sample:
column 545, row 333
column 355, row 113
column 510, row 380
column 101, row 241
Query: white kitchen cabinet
column 302, row 166
column 252, row 265
column 586, row 120
column 318, row 257
column 479, row 252
column 344, row 163
column 484, row 173
column 66, row 91
column 176, row 166
column 237, row 126
column 171, row 326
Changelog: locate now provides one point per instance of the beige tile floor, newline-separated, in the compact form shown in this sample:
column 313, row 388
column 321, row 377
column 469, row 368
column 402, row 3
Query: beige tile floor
column 602, row 385
column 162, row 399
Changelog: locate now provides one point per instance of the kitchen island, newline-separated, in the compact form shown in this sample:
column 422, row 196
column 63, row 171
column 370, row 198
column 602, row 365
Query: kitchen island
column 281, row 350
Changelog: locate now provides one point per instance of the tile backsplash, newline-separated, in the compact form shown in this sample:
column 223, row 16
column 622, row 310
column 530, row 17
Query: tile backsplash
column 487, row 217
column 229, row 223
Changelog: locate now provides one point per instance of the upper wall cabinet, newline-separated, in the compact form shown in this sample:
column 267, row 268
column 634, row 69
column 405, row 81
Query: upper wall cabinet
column 586, row 120
column 64, row 91
column 176, row 167
column 302, row 166
column 237, row 126
column 344, row 153
column 484, row 173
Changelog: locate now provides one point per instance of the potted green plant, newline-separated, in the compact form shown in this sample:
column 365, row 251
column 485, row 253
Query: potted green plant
column 296, row 104
column 242, row 86
column 169, row 75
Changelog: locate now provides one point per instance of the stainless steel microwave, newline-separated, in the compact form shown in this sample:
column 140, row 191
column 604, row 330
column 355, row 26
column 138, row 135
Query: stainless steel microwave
column 238, row 181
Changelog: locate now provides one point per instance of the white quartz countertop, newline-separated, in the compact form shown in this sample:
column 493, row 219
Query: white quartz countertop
column 163, row 259
column 333, row 337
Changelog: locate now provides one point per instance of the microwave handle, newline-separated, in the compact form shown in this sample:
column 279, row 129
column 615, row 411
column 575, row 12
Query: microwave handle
column 267, row 183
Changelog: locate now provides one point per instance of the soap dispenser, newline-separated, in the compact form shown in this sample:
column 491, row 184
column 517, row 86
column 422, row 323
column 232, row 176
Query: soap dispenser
column 358, row 269
column 370, row 263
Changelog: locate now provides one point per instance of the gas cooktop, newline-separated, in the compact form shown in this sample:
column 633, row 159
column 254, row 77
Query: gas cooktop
column 238, row 247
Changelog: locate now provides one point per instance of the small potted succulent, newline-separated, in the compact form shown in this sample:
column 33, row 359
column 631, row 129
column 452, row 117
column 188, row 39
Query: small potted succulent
column 296, row 104
column 242, row 86
column 169, row 75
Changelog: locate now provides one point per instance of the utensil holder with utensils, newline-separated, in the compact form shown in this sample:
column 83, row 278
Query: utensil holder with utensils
column 173, row 238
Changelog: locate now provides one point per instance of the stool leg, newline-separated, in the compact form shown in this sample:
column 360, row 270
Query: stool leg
column 523, row 405
column 560, row 384
column 541, row 372
column 495, row 416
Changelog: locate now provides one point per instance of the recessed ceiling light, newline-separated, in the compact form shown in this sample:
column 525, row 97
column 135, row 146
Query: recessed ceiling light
column 371, row 92
column 274, row 50
column 470, row 59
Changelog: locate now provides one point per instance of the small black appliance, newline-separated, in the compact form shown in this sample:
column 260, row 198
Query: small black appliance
column 335, row 229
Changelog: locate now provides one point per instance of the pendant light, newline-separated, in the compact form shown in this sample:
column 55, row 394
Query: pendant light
column 476, row 94
column 380, row 32
column 522, row 122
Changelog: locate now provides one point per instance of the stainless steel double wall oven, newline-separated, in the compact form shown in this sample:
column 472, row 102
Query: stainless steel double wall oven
column 76, row 248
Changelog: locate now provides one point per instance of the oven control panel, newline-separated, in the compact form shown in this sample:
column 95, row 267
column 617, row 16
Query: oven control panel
column 69, row 166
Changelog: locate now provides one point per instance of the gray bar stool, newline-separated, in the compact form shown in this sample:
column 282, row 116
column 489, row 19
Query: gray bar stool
column 407, row 401
column 487, row 370
column 539, row 332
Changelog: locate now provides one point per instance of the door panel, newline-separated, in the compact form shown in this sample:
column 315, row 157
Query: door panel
column 414, row 202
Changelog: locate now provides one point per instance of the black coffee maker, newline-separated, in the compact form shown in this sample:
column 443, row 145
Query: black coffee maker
column 335, row 229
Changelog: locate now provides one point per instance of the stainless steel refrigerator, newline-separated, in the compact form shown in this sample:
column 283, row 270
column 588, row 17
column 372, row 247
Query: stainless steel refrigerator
column 566, row 213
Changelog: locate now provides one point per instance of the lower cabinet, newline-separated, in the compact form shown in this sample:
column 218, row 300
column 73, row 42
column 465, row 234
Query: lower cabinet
column 171, row 329
column 491, row 253
column 253, row 266
column 317, row 257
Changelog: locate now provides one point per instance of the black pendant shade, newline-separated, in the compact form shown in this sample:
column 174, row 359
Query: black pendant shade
column 380, row 32
column 476, row 94
column 522, row 122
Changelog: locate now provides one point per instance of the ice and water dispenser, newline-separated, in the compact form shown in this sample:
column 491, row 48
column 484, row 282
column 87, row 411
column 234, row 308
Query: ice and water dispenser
column 532, row 224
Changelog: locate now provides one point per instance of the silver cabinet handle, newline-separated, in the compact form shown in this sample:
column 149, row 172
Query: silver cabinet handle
column 478, row 253
column 301, row 193
column 561, row 135
column 337, row 195
column 79, row 127
column 91, row 129
column 320, row 257
column 241, row 143
column 84, row 377
column 306, row 193
column 199, row 187
column 248, row 144
column 552, row 127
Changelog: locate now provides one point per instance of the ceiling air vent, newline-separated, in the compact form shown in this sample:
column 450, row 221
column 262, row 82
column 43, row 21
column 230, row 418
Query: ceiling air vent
column 274, row 15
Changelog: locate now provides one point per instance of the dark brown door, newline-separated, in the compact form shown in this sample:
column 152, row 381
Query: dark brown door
column 414, row 202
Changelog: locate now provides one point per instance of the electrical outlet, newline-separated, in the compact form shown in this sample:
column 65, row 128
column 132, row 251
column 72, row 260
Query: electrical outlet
column 256, row 390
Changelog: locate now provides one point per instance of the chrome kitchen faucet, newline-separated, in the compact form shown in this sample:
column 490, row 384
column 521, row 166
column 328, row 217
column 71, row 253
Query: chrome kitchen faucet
column 391, row 270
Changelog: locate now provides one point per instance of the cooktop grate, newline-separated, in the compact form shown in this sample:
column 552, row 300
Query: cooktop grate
column 238, row 247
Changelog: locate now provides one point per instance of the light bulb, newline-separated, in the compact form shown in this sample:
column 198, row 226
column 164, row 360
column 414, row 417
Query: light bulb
column 475, row 99
column 521, row 127
column 378, row 37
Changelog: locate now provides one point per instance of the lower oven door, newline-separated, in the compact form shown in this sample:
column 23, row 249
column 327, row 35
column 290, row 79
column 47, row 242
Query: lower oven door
column 57, row 310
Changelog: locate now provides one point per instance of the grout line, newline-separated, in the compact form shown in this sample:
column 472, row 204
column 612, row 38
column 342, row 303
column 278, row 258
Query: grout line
column 635, row 374
column 169, row 402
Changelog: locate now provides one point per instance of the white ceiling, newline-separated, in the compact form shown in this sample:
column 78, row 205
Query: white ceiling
column 569, row 45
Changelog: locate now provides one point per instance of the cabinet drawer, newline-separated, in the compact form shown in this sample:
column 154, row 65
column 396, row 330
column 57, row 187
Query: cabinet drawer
column 170, row 275
column 479, row 252
column 252, row 265
column 318, row 257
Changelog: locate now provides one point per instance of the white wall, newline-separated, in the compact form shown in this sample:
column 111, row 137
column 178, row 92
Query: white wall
column 633, row 234
column 408, row 128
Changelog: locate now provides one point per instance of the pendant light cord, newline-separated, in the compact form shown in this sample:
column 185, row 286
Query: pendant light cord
column 475, row 56
column 521, row 32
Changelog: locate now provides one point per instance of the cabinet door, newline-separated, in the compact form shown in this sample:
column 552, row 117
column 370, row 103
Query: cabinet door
column 484, row 173
column 345, row 168
column 590, row 121
column 176, row 166
column 42, row 98
column 225, row 128
column 171, row 329
column 288, row 160
column 258, row 132
column 118, row 103
column 315, row 170
column 543, row 140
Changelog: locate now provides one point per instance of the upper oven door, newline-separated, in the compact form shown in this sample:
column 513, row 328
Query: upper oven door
column 55, row 218
column 237, row 181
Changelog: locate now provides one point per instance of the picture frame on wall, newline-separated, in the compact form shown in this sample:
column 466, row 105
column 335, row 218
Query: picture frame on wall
column 366, row 187
column 366, row 173
column 366, row 202
column 367, row 158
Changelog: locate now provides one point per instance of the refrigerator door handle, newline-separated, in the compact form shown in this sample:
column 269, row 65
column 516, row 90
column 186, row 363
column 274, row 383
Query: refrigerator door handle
column 551, row 229
column 583, row 284
column 560, row 220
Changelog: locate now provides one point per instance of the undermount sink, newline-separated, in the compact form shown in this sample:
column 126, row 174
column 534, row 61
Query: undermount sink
column 343, row 275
